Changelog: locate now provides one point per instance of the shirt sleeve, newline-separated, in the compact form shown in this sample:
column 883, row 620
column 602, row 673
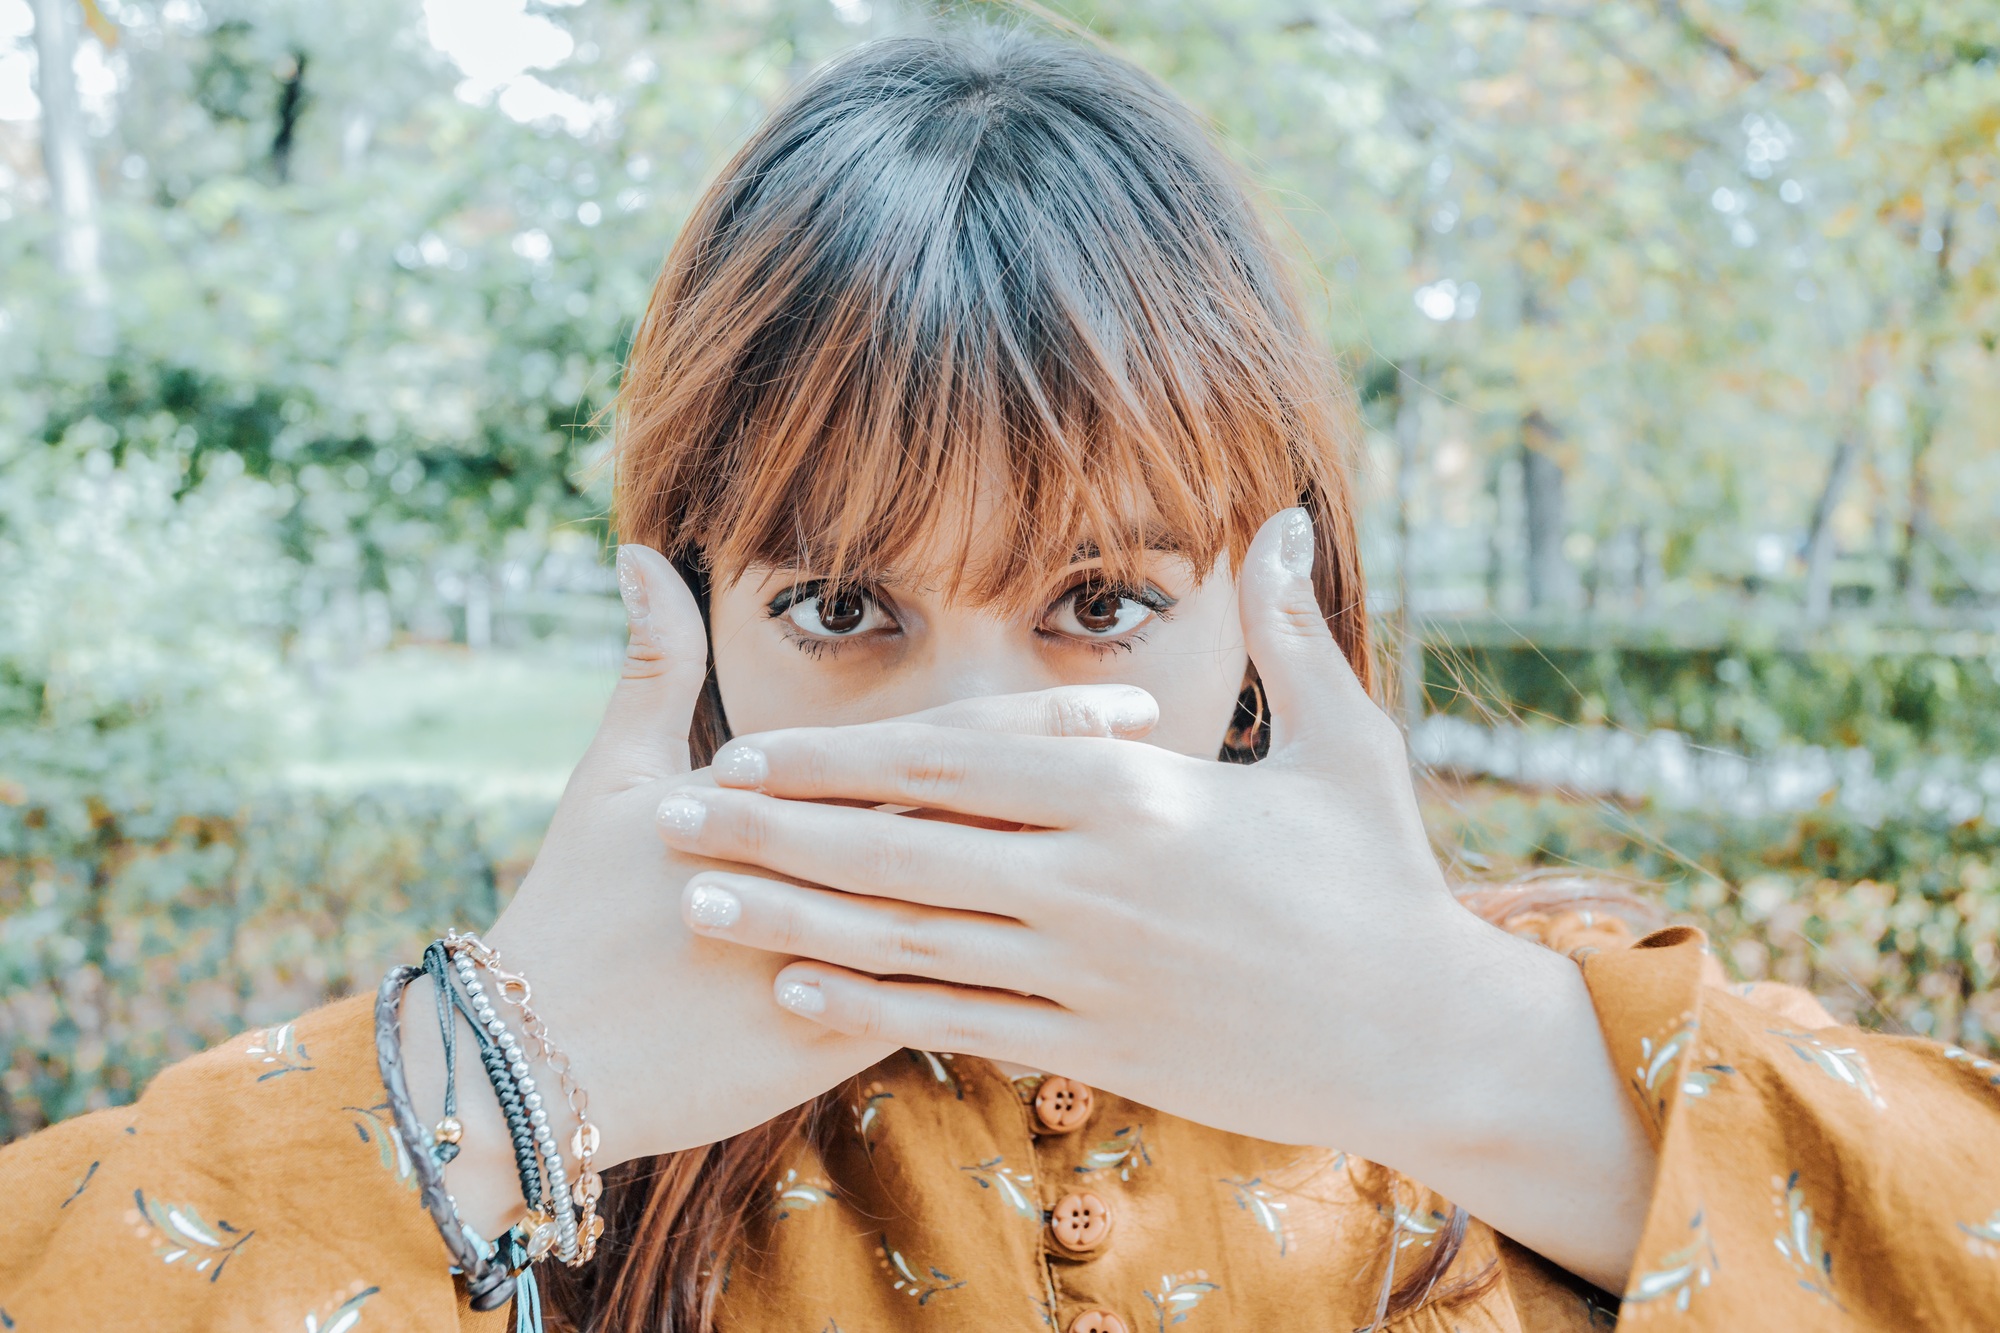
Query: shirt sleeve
column 259, row 1185
column 1811, row 1176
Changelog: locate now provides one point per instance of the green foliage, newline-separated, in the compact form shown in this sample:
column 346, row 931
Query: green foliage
column 1899, row 703
column 1895, row 926
column 151, row 930
column 139, row 649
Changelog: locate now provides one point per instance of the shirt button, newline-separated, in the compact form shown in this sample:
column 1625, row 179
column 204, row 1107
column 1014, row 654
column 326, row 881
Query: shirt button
column 1097, row 1321
column 1062, row 1104
column 1080, row 1225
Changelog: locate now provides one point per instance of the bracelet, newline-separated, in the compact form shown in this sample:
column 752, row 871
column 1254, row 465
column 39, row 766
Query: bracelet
column 554, row 1223
column 514, row 989
column 505, row 1090
column 488, row 1283
column 448, row 1131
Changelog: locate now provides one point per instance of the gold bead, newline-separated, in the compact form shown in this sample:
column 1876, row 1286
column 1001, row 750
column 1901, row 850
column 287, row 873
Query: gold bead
column 449, row 1130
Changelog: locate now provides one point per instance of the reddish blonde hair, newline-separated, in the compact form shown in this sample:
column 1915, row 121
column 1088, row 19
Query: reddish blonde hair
column 990, row 263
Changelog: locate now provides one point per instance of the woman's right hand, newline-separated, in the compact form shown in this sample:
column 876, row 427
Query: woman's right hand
column 673, row 1035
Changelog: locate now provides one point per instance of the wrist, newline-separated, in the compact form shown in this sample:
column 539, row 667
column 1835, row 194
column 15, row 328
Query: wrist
column 1528, row 1124
column 482, row 1178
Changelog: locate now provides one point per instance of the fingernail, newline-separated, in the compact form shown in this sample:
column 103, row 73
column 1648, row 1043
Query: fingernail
column 742, row 765
column 802, row 997
column 682, row 815
column 714, row 907
column 1295, row 543
column 1131, row 713
column 632, row 589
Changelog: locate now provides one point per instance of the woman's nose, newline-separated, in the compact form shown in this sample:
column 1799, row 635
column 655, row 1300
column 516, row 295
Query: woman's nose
column 973, row 664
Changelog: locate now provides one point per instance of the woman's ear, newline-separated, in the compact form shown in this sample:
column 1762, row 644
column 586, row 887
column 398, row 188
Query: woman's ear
column 1249, row 734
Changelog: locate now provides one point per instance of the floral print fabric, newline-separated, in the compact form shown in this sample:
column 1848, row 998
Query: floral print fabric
column 1811, row 1177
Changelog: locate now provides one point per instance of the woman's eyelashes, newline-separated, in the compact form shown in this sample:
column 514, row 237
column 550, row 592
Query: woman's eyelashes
column 1106, row 617
column 819, row 616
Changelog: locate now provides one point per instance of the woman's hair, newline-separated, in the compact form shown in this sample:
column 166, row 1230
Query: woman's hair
column 986, row 266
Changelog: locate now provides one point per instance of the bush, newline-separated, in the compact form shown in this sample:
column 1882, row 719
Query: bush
column 144, row 933
column 138, row 934
column 1900, row 696
column 1895, row 926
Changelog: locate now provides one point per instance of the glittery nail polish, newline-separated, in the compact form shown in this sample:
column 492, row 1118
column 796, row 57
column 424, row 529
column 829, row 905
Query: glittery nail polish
column 802, row 997
column 1295, row 543
column 715, row 907
column 682, row 815
column 742, row 765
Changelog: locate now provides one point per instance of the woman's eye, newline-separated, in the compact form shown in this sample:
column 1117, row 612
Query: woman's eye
column 1100, row 613
column 834, row 613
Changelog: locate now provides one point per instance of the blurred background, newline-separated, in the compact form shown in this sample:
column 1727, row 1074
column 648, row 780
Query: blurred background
column 1674, row 323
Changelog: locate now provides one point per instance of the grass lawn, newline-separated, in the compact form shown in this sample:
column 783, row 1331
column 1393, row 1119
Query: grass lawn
column 496, row 722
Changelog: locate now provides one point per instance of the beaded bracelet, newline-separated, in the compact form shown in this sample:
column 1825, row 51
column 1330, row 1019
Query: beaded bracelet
column 489, row 1284
column 468, row 949
column 555, row 1224
column 493, row 1057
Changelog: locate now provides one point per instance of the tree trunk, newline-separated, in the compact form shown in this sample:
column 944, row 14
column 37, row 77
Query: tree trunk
column 1819, row 537
column 1914, row 568
column 1545, row 522
column 66, row 150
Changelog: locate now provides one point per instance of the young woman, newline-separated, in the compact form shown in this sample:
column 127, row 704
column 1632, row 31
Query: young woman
column 974, row 396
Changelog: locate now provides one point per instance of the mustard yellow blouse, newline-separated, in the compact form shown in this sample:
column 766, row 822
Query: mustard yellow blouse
column 1811, row 1177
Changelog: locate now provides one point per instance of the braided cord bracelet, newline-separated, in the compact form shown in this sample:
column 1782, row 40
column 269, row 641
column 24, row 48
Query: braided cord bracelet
column 489, row 1284
column 493, row 1057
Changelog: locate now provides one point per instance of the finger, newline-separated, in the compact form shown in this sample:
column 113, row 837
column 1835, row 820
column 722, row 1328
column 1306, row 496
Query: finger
column 860, row 851
column 924, row 1016
column 1312, row 689
column 1049, row 782
column 1123, row 711
column 878, row 935
column 644, row 734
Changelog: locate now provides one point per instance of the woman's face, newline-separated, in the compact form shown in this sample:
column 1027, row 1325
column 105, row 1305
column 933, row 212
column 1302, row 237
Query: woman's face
column 791, row 650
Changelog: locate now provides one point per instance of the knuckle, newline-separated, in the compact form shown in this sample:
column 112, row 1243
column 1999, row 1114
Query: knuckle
column 955, row 1032
column 1302, row 622
column 815, row 766
column 907, row 947
column 889, row 860
column 1071, row 716
column 785, row 928
column 871, row 1020
column 749, row 829
column 925, row 768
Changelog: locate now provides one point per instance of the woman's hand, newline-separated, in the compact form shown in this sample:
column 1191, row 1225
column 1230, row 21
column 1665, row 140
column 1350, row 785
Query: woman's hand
column 1270, row 949
column 673, row 1036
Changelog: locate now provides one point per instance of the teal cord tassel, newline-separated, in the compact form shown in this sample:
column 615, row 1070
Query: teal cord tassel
column 527, row 1303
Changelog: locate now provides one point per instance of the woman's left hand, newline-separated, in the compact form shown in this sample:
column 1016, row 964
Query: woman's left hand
column 1269, row 948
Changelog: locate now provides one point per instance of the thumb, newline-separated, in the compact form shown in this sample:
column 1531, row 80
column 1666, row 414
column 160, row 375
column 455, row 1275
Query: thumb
column 1308, row 681
column 644, row 734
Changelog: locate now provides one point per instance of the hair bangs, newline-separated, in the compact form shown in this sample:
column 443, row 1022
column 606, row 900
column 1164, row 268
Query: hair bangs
column 975, row 330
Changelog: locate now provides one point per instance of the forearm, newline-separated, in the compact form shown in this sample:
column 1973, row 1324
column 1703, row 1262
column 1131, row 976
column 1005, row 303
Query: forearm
column 1527, row 1124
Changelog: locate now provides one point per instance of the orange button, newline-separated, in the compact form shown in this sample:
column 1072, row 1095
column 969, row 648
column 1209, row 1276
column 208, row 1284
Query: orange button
column 1080, row 1225
column 1063, row 1104
column 1097, row 1321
